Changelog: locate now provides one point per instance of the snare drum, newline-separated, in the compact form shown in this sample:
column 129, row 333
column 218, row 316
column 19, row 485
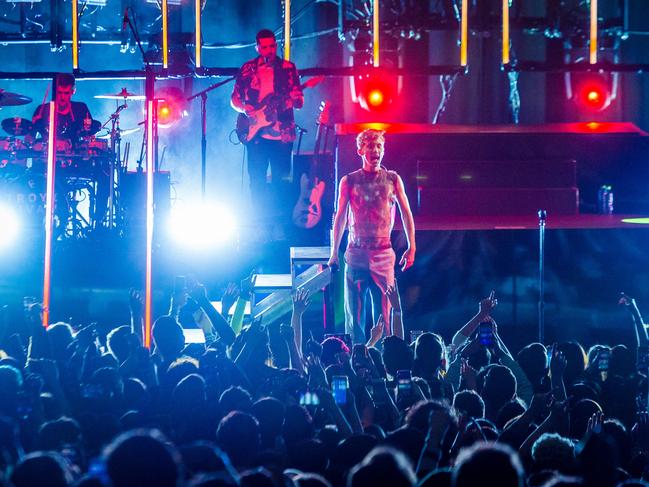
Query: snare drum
column 63, row 146
column 93, row 146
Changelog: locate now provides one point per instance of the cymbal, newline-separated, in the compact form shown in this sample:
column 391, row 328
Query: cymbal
column 122, row 95
column 122, row 132
column 8, row 99
column 17, row 126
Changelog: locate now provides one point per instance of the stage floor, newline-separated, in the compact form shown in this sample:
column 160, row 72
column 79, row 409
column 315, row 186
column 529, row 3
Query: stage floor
column 527, row 222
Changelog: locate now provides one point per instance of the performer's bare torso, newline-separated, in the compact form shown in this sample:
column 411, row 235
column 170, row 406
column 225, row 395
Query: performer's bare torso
column 372, row 200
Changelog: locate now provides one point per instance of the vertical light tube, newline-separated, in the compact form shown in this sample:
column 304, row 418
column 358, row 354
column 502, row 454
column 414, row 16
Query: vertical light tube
column 198, row 28
column 75, row 34
column 49, row 212
column 148, row 287
column 376, row 31
column 165, row 34
column 287, row 30
column 464, row 32
column 505, row 59
column 593, row 32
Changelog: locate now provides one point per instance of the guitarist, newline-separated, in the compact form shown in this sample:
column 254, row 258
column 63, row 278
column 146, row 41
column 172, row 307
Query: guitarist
column 264, row 76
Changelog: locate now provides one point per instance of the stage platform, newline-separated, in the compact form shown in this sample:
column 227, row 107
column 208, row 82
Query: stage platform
column 528, row 222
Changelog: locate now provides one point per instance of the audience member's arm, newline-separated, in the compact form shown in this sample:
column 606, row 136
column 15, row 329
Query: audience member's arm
column 376, row 333
column 39, row 345
column 220, row 324
column 300, row 303
column 514, row 434
column 638, row 323
column 137, row 316
column 484, row 309
column 230, row 296
column 288, row 334
column 329, row 405
column 557, row 421
column 558, row 364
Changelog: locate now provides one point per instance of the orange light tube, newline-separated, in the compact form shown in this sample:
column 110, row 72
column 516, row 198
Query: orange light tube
column 198, row 26
column 593, row 32
column 49, row 212
column 75, row 34
column 287, row 29
column 505, row 59
column 165, row 34
column 148, row 287
column 464, row 32
column 376, row 31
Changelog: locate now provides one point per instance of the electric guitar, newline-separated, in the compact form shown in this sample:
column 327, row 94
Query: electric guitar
column 265, row 114
column 307, row 212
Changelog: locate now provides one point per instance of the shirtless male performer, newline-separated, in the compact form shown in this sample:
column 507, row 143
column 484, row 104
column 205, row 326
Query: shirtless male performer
column 366, row 205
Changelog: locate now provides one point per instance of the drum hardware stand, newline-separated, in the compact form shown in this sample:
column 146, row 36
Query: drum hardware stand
column 115, row 162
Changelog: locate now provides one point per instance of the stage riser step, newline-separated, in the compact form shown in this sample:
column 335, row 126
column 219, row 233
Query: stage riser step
column 507, row 201
column 497, row 174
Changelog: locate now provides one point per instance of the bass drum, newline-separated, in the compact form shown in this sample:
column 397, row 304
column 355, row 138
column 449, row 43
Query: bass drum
column 24, row 191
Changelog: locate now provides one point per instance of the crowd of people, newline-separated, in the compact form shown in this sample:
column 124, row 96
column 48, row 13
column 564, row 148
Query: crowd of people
column 266, row 405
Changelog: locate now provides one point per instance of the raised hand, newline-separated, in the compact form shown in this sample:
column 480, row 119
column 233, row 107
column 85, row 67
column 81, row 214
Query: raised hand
column 558, row 362
column 469, row 374
column 595, row 423
column 301, row 301
column 316, row 374
column 199, row 293
column 230, row 295
column 376, row 333
column 135, row 301
column 392, row 293
column 487, row 304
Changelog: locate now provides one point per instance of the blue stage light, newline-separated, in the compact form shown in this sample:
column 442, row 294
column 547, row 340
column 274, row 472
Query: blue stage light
column 9, row 226
column 202, row 225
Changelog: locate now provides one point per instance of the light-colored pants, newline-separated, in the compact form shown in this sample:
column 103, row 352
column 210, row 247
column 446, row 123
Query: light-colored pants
column 367, row 270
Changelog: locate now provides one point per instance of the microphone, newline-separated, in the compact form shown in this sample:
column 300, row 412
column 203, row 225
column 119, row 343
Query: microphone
column 125, row 19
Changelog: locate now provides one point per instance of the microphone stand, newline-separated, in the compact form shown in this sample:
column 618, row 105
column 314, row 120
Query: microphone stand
column 203, row 96
column 542, row 217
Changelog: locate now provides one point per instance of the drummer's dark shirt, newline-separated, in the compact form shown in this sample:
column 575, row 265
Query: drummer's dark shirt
column 69, row 125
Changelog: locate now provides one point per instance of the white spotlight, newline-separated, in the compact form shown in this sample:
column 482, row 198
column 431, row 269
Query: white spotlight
column 202, row 225
column 9, row 226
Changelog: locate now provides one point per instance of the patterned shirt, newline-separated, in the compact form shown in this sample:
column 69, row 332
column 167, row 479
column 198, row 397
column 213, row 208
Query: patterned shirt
column 372, row 200
column 285, row 79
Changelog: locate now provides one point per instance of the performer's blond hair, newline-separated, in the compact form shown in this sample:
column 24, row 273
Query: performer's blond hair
column 369, row 134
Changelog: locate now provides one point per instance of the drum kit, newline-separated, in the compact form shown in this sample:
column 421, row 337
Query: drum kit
column 88, row 168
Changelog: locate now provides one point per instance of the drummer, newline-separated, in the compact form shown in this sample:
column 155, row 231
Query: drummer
column 73, row 121
column 73, row 118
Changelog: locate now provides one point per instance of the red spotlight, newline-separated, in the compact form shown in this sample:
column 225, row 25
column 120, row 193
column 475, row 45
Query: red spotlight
column 172, row 106
column 375, row 92
column 593, row 94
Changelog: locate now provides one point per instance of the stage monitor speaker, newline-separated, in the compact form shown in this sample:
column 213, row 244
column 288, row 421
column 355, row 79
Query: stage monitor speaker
column 132, row 199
